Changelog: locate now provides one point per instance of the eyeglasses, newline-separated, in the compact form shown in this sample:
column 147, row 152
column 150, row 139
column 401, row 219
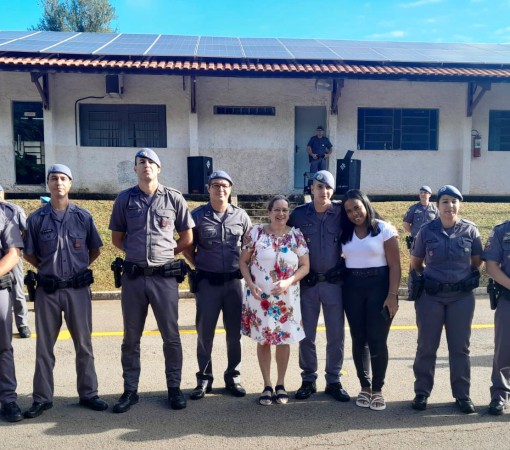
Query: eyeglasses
column 281, row 210
column 217, row 187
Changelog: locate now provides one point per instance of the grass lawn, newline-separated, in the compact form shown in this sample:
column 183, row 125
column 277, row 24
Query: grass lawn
column 485, row 215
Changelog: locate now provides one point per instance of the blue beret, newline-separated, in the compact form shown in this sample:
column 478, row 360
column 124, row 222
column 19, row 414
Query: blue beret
column 325, row 177
column 45, row 200
column 149, row 154
column 60, row 168
column 220, row 174
column 426, row 189
column 448, row 189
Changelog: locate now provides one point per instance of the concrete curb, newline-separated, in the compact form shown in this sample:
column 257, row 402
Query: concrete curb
column 115, row 295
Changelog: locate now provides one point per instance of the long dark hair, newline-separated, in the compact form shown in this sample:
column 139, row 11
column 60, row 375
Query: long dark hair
column 372, row 215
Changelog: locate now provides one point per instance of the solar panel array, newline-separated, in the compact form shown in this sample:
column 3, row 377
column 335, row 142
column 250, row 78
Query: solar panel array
column 110, row 44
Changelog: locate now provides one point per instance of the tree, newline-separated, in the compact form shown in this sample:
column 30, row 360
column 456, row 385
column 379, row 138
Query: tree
column 76, row 15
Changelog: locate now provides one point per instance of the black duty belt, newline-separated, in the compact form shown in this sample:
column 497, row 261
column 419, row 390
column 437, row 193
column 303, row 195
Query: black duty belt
column 219, row 277
column 368, row 272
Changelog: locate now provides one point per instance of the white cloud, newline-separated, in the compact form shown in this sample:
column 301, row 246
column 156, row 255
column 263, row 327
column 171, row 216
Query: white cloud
column 505, row 30
column 389, row 34
column 419, row 3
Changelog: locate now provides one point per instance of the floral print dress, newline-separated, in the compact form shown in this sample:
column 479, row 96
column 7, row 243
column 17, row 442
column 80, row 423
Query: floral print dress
column 275, row 320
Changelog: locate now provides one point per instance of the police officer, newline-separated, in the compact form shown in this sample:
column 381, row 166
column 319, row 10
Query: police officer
column 451, row 248
column 319, row 150
column 497, row 260
column 319, row 221
column 62, row 241
column 422, row 212
column 217, row 238
column 143, row 222
column 19, row 301
column 10, row 249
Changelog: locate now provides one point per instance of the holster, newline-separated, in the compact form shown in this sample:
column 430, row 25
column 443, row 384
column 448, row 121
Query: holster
column 494, row 291
column 337, row 273
column 31, row 281
column 310, row 280
column 409, row 241
column 193, row 279
column 472, row 281
column 6, row 281
column 116, row 267
column 417, row 285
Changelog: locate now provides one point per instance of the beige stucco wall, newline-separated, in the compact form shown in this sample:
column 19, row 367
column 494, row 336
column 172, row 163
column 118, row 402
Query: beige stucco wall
column 258, row 151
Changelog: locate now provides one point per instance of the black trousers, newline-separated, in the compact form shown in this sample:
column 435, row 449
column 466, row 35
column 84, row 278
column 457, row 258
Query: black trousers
column 363, row 302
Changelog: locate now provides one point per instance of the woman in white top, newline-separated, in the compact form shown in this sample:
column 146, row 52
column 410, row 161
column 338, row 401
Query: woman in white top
column 372, row 258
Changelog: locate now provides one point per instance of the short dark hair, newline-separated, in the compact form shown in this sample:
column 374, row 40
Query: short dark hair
column 372, row 215
column 275, row 199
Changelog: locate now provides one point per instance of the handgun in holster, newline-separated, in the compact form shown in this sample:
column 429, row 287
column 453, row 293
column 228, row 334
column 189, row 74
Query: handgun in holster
column 494, row 293
column 409, row 242
column 31, row 281
column 116, row 267
column 417, row 285
column 193, row 279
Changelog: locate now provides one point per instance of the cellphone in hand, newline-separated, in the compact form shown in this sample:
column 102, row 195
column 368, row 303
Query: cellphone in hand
column 385, row 312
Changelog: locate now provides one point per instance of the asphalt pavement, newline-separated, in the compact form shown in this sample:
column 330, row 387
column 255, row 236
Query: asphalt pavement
column 220, row 421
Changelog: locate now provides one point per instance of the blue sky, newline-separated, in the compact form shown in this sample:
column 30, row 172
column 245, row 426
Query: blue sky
column 380, row 20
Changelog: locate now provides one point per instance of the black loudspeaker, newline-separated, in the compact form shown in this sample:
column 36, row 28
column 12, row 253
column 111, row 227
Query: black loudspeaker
column 112, row 84
column 199, row 169
column 348, row 175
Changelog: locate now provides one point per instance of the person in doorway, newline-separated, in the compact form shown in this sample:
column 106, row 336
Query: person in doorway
column 319, row 150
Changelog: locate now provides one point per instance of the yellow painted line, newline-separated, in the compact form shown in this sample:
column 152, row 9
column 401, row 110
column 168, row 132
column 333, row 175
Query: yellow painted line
column 65, row 335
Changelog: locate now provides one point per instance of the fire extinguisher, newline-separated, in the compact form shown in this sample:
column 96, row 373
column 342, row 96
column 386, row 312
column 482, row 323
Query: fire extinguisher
column 476, row 144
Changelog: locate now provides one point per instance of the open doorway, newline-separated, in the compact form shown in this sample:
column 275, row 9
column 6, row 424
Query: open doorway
column 307, row 118
column 28, row 132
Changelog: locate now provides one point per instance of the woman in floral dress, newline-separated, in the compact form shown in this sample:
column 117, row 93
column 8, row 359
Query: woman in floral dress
column 273, row 260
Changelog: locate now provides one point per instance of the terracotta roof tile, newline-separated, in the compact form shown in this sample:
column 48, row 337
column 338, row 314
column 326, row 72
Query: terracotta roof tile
column 295, row 68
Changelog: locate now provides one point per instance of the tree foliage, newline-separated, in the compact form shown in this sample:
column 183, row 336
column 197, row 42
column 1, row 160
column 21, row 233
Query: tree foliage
column 76, row 15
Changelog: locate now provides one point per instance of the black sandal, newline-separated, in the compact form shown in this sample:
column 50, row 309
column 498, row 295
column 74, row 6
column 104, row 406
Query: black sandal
column 266, row 399
column 281, row 396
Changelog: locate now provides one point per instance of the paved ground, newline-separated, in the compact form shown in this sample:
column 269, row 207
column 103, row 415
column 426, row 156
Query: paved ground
column 222, row 421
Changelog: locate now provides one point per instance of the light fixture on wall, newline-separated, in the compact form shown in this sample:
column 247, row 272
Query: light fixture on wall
column 324, row 85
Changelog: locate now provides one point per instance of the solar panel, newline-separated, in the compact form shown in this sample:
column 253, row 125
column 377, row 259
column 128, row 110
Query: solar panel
column 174, row 45
column 85, row 43
column 128, row 44
column 221, row 47
column 37, row 41
column 255, row 48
